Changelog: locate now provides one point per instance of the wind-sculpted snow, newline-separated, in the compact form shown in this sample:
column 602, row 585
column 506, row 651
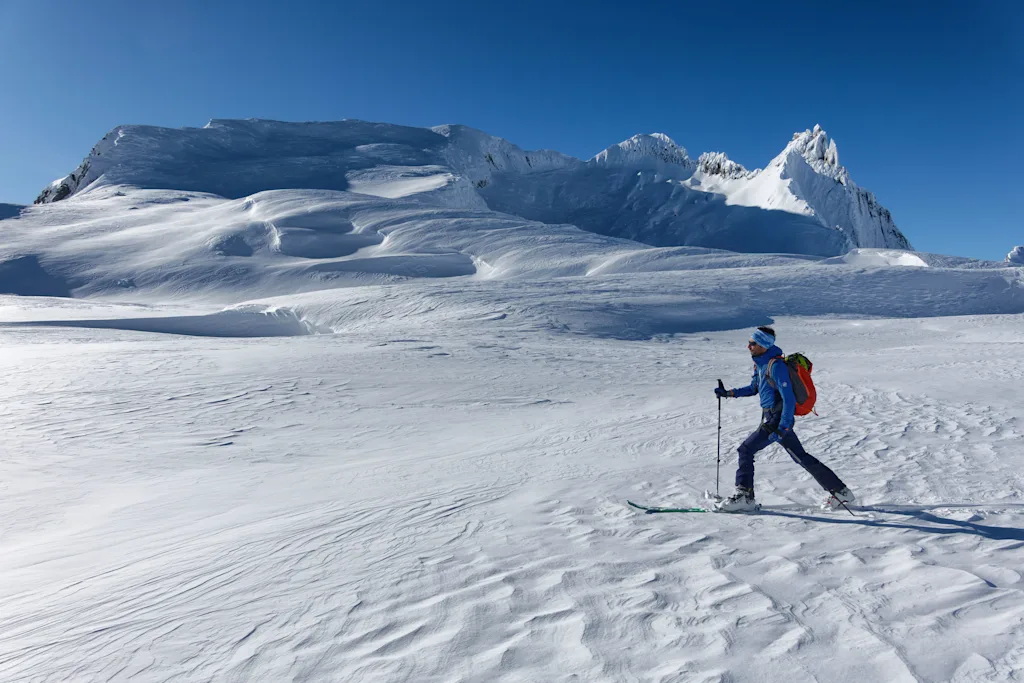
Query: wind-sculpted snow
column 646, row 188
column 447, row 503
column 245, row 321
column 236, row 158
column 160, row 246
column 658, row 212
column 632, row 306
column 643, row 306
column 879, row 257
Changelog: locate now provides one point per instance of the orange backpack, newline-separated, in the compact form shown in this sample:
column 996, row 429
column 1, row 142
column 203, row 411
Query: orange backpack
column 800, row 377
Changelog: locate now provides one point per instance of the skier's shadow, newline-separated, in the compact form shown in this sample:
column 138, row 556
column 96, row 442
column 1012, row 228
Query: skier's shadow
column 920, row 513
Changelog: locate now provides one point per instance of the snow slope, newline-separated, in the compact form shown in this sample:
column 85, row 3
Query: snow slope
column 432, row 501
column 646, row 188
column 158, row 246
column 382, row 432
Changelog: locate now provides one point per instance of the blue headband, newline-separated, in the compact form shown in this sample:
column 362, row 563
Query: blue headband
column 763, row 338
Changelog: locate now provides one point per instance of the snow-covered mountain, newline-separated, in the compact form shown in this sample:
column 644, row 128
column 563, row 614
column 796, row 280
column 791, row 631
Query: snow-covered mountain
column 807, row 178
column 645, row 189
column 1016, row 255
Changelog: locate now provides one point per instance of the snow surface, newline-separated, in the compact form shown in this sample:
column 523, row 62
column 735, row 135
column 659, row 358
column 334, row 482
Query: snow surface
column 159, row 246
column 1016, row 255
column 386, row 433
column 880, row 257
column 645, row 188
column 441, row 498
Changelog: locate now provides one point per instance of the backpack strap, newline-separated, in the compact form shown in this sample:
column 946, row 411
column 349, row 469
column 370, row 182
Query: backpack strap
column 768, row 371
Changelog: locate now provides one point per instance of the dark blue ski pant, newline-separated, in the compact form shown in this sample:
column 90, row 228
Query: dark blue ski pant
column 761, row 439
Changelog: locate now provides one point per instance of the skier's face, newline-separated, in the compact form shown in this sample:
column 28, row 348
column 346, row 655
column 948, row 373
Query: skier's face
column 755, row 348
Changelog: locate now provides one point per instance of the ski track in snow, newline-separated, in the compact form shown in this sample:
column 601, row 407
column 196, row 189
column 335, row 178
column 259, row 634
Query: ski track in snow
column 450, row 506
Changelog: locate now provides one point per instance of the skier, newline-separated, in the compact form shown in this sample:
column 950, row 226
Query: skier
column 777, row 405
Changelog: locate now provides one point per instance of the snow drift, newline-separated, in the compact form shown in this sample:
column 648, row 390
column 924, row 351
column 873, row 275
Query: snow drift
column 880, row 257
column 159, row 246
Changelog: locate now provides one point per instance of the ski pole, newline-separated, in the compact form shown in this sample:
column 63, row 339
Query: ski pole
column 718, row 465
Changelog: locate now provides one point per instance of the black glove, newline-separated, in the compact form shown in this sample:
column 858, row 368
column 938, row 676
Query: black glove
column 720, row 392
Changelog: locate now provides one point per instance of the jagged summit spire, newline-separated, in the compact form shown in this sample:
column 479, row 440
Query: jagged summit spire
column 820, row 151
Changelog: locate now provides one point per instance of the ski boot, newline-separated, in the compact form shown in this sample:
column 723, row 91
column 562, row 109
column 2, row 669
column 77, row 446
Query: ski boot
column 836, row 499
column 741, row 501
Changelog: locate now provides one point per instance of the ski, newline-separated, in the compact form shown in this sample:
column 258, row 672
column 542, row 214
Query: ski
column 715, row 499
column 651, row 510
column 738, row 512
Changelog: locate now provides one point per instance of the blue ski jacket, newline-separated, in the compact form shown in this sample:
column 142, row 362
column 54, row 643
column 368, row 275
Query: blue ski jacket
column 770, row 397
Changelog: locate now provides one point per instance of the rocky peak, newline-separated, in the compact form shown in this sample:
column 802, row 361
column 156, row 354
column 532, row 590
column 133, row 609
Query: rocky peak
column 820, row 152
column 717, row 163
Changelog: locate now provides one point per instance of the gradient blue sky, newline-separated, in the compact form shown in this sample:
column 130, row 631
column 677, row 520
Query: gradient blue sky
column 924, row 99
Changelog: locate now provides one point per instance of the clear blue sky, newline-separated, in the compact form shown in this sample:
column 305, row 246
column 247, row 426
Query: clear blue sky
column 923, row 98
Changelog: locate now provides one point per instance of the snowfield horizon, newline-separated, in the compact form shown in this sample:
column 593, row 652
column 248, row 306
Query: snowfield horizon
column 362, row 402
